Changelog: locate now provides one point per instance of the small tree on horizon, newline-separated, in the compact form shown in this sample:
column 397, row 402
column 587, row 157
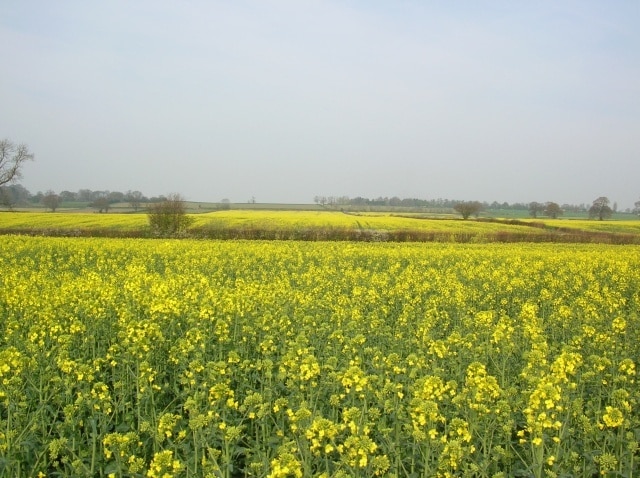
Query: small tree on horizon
column 13, row 194
column 535, row 208
column 553, row 210
column 600, row 209
column 51, row 200
column 169, row 217
column 467, row 208
column 134, row 198
column 102, row 204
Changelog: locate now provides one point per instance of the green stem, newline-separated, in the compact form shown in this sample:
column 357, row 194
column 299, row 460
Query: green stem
column 195, row 452
column 94, row 437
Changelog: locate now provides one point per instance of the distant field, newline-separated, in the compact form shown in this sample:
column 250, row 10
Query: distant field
column 323, row 225
column 64, row 220
column 256, row 219
column 629, row 226
column 370, row 221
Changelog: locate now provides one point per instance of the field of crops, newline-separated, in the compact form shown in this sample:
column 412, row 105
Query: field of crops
column 323, row 225
column 70, row 221
column 242, row 219
column 130, row 357
column 632, row 227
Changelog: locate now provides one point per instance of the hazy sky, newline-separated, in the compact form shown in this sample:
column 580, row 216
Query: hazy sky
column 285, row 100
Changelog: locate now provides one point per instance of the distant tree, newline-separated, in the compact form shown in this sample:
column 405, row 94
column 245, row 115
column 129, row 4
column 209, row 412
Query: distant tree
column 37, row 198
column 225, row 204
column 168, row 217
column 85, row 195
column 467, row 208
column 343, row 200
column 102, row 204
column 535, row 208
column 115, row 196
column 12, row 158
column 600, row 209
column 552, row 210
column 6, row 198
column 13, row 194
column 395, row 201
column 636, row 209
column 51, row 200
column 68, row 196
column 134, row 198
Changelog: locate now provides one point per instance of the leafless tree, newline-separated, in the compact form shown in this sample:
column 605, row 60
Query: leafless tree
column 51, row 200
column 12, row 157
column 467, row 208
column 102, row 204
column 134, row 198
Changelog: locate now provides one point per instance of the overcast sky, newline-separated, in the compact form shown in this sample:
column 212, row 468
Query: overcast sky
column 285, row 100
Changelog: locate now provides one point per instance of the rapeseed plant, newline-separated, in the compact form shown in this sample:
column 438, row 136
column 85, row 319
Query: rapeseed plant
column 176, row 358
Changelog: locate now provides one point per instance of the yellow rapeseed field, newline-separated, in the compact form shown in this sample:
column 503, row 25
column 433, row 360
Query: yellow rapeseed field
column 250, row 219
column 293, row 224
column 162, row 358
column 70, row 221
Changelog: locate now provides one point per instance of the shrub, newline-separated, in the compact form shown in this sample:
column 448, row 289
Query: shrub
column 169, row 217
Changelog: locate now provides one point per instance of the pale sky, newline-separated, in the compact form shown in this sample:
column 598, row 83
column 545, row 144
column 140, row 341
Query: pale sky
column 285, row 100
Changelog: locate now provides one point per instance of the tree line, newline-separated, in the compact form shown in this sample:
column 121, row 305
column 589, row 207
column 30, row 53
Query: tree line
column 601, row 208
column 13, row 156
column 15, row 195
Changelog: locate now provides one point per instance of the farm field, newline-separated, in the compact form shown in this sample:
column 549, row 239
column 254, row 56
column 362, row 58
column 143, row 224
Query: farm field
column 632, row 227
column 70, row 221
column 318, row 225
column 161, row 358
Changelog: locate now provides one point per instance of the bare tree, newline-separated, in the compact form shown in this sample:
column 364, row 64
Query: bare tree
column 322, row 200
column 134, row 198
column 467, row 208
column 102, row 204
column 51, row 200
column 12, row 157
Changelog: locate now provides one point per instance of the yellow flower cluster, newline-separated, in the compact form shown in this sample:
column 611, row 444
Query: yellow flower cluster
column 286, row 464
column 322, row 434
column 354, row 379
column 195, row 358
column 164, row 465
column 481, row 390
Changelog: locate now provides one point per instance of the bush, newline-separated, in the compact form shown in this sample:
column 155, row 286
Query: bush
column 169, row 217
